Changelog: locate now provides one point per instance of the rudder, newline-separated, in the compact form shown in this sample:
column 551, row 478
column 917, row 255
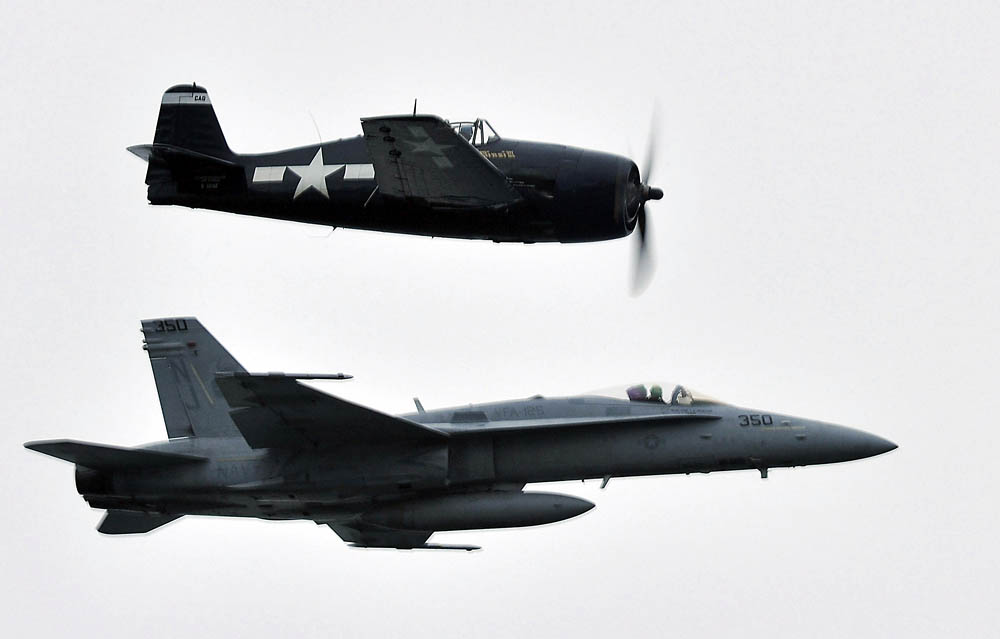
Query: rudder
column 185, row 358
column 187, row 120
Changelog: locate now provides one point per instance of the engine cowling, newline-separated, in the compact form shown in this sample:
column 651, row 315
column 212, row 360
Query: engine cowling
column 597, row 198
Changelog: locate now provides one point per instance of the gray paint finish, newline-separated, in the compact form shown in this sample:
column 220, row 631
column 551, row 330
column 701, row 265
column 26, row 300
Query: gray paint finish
column 265, row 446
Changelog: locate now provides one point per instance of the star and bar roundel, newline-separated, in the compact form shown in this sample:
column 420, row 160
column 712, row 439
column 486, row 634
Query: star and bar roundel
column 312, row 175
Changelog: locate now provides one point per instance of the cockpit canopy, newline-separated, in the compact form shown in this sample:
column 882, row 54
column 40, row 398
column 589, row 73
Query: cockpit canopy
column 657, row 393
column 477, row 133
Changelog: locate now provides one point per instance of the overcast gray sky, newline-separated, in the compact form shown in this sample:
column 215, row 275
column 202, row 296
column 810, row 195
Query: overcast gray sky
column 827, row 246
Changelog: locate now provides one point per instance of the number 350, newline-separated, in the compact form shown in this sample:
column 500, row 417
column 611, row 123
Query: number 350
column 755, row 420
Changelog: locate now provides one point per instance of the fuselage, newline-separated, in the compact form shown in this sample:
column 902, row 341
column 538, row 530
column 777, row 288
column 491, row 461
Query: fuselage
column 438, row 178
column 569, row 194
column 489, row 445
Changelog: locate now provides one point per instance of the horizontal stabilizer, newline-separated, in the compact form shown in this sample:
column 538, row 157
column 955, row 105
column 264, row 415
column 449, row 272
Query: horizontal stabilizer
column 169, row 152
column 275, row 411
column 127, row 522
column 111, row 458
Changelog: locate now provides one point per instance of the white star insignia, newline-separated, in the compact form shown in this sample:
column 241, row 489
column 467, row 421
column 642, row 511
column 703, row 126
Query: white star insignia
column 427, row 145
column 313, row 175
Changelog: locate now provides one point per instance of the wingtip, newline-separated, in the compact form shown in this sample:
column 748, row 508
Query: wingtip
column 141, row 151
column 46, row 446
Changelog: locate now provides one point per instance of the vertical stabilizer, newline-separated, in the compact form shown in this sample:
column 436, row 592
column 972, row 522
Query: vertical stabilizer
column 189, row 161
column 187, row 120
column 185, row 358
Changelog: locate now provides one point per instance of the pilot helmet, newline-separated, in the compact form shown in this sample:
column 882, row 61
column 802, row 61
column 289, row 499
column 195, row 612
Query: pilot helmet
column 656, row 392
column 637, row 392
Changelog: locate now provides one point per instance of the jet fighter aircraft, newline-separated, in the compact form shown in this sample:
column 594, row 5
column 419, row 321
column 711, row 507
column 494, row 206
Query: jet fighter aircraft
column 416, row 174
column 264, row 445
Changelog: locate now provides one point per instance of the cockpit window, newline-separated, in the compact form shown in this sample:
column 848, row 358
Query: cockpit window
column 656, row 393
column 477, row 133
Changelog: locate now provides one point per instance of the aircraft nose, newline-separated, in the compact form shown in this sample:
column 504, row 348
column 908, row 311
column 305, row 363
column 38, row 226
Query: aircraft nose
column 886, row 446
column 872, row 445
column 850, row 443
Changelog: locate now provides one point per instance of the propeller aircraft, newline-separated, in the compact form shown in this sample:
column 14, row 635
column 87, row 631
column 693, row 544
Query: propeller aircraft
column 413, row 174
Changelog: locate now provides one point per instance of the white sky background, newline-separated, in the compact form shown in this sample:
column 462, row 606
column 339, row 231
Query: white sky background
column 827, row 247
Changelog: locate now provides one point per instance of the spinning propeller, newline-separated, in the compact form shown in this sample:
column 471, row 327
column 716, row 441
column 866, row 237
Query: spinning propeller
column 638, row 194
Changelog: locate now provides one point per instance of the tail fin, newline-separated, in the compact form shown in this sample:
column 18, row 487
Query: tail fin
column 187, row 120
column 185, row 358
column 189, row 159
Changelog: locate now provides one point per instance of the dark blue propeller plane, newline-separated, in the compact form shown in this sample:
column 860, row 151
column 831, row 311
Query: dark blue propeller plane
column 415, row 174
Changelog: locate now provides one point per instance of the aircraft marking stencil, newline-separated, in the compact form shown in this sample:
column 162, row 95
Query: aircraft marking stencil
column 313, row 175
column 425, row 144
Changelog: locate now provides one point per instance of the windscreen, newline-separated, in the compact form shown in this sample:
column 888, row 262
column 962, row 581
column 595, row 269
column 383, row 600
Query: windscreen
column 660, row 393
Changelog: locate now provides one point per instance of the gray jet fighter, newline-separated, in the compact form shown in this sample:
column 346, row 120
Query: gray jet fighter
column 264, row 445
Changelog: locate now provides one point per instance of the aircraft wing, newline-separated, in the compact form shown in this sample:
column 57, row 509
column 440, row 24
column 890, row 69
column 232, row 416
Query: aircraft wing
column 421, row 158
column 124, row 522
column 360, row 535
column 276, row 411
column 367, row 536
